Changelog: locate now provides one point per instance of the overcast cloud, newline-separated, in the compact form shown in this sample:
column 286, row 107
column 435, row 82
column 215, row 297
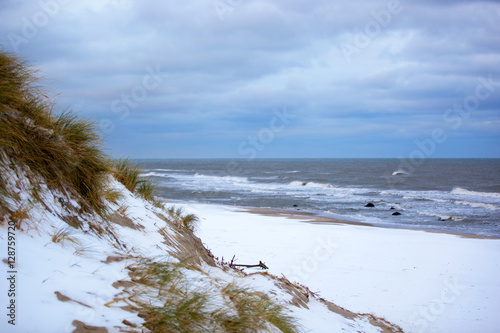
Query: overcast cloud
column 276, row 78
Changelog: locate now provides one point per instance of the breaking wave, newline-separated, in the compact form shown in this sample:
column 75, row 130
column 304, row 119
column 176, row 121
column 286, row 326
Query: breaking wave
column 231, row 179
column 311, row 184
column 441, row 217
column 154, row 174
column 462, row 191
column 478, row 205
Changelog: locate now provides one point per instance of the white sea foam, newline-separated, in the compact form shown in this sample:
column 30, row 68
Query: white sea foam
column 311, row 184
column 231, row 179
column 424, row 199
column 399, row 172
column 261, row 191
column 153, row 174
column 478, row 205
column 440, row 216
column 462, row 191
column 320, row 185
column 395, row 206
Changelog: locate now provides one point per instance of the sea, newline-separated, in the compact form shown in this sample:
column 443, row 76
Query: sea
column 449, row 195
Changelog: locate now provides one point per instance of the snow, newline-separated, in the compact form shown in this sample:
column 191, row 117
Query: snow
column 45, row 269
column 60, row 282
column 422, row 281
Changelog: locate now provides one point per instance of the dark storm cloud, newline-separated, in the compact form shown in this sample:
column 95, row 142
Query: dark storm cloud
column 380, row 72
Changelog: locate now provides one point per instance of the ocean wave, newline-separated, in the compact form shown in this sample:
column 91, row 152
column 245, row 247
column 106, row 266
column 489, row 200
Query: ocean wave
column 462, row 191
column 311, row 184
column 261, row 191
column 440, row 216
column 395, row 206
column 424, row 199
column 478, row 205
column 232, row 179
column 153, row 174
column 318, row 185
column 401, row 194
column 399, row 172
column 282, row 172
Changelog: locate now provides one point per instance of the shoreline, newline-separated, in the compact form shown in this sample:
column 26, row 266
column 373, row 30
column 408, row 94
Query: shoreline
column 301, row 215
column 313, row 218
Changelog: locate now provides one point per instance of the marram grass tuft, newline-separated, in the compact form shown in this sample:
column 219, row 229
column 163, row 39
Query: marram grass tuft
column 63, row 150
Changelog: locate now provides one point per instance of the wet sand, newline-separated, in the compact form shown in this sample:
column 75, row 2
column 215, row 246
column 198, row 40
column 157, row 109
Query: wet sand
column 316, row 219
column 303, row 216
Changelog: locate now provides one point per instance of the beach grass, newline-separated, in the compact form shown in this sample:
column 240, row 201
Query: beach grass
column 129, row 174
column 254, row 312
column 146, row 190
column 182, row 220
column 126, row 173
column 63, row 150
column 187, row 309
column 64, row 236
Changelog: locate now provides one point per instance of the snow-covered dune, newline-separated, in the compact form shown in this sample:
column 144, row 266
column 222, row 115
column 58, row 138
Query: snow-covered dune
column 86, row 247
column 74, row 279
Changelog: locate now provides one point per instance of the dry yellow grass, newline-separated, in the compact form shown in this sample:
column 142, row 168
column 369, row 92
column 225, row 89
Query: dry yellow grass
column 62, row 150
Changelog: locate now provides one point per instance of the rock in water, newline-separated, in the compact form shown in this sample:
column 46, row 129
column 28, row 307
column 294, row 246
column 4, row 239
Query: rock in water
column 396, row 213
column 369, row 205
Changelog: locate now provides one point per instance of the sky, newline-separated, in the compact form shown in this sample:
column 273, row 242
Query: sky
column 270, row 79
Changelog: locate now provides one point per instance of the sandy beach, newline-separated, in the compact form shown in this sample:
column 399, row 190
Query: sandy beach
column 316, row 219
column 300, row 215
column 422, row 281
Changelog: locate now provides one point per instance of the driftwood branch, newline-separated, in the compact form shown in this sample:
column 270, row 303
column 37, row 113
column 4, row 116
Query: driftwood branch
column 234, row 265
column 260, row 264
